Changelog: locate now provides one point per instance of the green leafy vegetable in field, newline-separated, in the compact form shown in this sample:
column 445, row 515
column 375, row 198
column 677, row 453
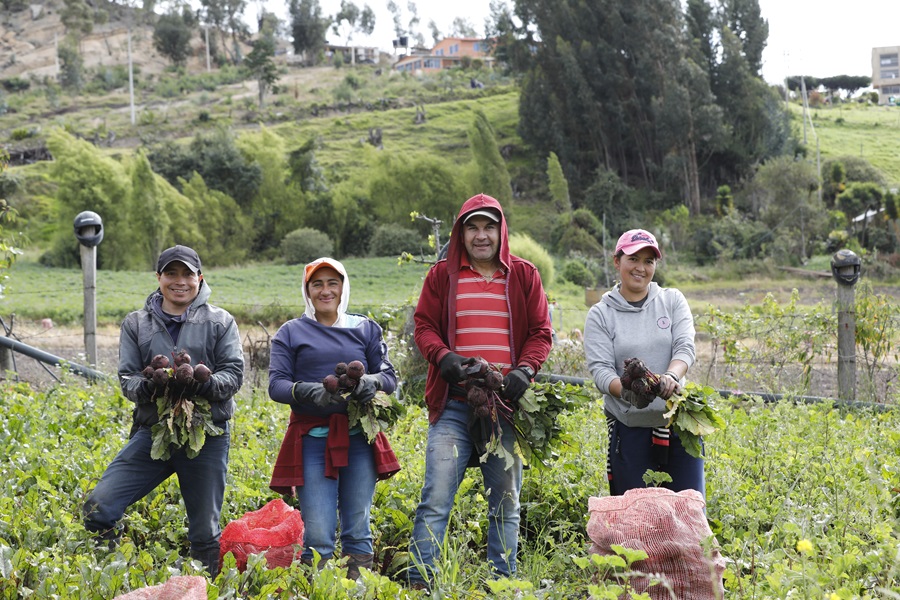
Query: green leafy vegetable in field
column 376, row 416
column 184, row 419
column 692, row 414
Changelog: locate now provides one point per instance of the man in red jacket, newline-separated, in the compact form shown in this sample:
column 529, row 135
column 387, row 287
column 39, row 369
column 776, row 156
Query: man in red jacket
column 481, row 301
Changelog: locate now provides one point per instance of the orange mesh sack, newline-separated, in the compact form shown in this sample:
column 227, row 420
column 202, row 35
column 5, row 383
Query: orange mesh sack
column 672, row 529
column 273, row 530
column 181, row 587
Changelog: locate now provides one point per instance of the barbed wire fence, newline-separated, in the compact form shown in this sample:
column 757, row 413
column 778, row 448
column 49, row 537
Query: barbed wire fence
column 766, row 348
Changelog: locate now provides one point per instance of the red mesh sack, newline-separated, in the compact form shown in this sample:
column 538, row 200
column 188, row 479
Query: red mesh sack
column 181, row 587
column 274, row 530
column 671, row 528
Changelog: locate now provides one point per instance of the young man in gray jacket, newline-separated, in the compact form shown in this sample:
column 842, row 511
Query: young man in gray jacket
column 175, row 318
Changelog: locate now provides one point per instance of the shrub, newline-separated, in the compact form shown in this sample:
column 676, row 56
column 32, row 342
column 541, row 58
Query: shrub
column 578, row 273
column 579, row 231
column 525, row 247
column 23, row 133
column 305, row 245
column 391, row 239
column 15, row 84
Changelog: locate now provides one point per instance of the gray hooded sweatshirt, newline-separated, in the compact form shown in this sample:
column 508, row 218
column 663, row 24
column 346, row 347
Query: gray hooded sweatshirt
column 660, row 330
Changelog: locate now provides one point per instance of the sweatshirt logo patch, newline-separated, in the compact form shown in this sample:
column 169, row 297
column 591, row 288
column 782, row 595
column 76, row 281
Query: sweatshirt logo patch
column 663, row 322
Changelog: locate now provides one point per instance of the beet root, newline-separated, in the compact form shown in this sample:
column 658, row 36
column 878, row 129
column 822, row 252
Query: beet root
column 331, row 383
column 184, row 373
column 493, row 380
column 355, row 370
column 160, row 377
column 202, row 373
column 160, row 361
column 478, row 367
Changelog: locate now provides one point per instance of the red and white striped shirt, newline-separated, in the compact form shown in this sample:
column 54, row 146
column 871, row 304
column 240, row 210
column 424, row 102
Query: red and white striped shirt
column 482, row 317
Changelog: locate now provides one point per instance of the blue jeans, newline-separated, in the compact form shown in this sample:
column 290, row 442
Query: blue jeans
column 631, row 454
column 449, row 450
column 321, row 499
column 133, row 474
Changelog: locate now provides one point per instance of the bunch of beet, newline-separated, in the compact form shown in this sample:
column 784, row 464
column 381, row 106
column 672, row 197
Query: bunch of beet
column 639, row 379
column 163, row 372
column 483, row 382
column 345, row 378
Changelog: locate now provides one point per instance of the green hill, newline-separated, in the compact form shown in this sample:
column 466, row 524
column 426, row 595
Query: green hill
column 862, row 130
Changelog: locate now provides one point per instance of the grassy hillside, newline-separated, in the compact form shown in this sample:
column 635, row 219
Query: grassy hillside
column 870, row 132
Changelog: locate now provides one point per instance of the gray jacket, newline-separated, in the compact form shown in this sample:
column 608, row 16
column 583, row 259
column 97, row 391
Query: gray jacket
column 657, row 332
column 209, row 334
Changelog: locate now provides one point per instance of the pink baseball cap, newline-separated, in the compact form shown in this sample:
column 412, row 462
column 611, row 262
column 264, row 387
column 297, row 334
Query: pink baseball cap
column 635, row 239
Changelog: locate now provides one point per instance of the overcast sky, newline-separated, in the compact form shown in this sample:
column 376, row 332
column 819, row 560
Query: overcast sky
column 821, row 38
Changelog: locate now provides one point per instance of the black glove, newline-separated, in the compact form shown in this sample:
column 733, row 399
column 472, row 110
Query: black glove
column 637, row 400
column 151, row 389
column 365, row 390
column 195, row 388
column 514, row 384
column 314, row 393
column 452, row 369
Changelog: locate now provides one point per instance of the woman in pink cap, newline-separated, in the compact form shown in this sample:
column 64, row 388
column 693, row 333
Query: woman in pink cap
column 638, row 318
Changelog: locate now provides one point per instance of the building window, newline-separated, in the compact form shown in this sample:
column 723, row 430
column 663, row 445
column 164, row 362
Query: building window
column 889, row 60
column 432, row 63
column 890, row 89
column 439, row 52
column 890, row 73
column 454, row 49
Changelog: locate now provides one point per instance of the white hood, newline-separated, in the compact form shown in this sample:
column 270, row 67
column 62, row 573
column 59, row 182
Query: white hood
column 345, row 292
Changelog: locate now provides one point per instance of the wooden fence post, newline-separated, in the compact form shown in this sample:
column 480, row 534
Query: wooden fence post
column 89, row 233
column 845, row 267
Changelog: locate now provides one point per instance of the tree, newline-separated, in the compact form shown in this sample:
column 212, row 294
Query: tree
column 398, row 185
column 412, row 22
column 744, row 19
column 308, row 29
column 354, row 20
column 277, row 207
column 491, row 175
column 859, row 198
column 172, row 36
column 224, row 16
column 229, row 232
column 790, row 207
column 71, row 71
column 9, row 247
column 79, row 18
column 216, row 157
column 261, row 64
column 559, row 187
column 462, row 27
column 848, row 83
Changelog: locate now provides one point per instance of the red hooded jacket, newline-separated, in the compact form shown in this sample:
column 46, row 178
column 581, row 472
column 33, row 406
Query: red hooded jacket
column 435, row 334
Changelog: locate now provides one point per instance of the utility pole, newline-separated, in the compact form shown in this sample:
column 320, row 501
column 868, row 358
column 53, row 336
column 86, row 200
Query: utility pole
column 130, row 76
column 206, row 32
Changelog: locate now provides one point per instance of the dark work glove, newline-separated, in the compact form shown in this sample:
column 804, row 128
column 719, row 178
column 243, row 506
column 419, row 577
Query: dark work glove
column 637, row 400
column 195, row 388
column 514, row 384
column 452, row 367
column 314, row 393
column 151, row 389
column 365, row 391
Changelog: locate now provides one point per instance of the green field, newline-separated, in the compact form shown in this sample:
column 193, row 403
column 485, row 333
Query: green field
column 869, row 132
column 802, row 500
